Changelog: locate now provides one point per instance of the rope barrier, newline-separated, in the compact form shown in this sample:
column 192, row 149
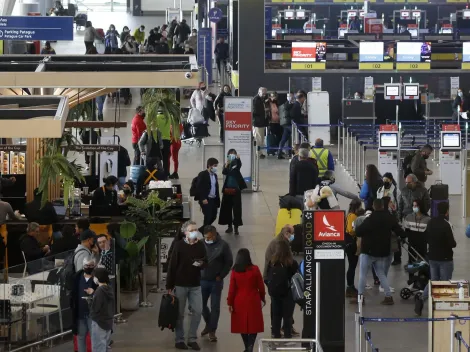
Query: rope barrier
column 411, row 320
column 368, row 337
column 461, row 339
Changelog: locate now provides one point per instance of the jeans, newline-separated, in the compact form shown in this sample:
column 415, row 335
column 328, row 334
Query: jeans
column 260, row 133
column 99, row 338
column 352, row 264
column 440, row 271
column 84, row 327
column 379, row 263
column 100, row 104
column 249, row 341
column 388, row 263
column 212, row 289
column 194, row 297
column 282, row 310
column 285, row 139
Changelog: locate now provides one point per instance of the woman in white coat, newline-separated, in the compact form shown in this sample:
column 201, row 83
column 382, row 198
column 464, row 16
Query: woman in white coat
column 199, row 96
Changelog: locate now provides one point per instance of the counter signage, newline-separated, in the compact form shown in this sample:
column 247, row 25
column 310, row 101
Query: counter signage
column 36, row 28
column 108, row 148
column 376, row 66
column 415, row 66
column 238, row 131
column 12, row 148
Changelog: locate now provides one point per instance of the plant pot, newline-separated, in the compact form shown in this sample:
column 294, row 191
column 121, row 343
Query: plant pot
column 151, row 272
column 130, row 300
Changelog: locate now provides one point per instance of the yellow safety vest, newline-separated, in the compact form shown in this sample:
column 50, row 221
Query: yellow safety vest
column 321, row 154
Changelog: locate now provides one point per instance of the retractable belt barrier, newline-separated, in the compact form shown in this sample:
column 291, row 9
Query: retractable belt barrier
column 364, row 336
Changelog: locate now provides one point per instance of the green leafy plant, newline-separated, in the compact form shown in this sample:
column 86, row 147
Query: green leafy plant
column 82, row 110
column 130, row 265
column 153, row 218
column 55, row 167
column 164, row 100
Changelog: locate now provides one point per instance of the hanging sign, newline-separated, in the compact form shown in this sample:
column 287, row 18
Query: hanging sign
column 215, row 15
column 36, row 28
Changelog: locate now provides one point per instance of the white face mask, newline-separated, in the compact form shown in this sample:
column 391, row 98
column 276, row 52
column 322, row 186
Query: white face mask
column 95, row 280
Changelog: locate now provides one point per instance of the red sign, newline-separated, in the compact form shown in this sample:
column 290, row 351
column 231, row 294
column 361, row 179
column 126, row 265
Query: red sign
column 373, row 25
column 238, row 115
column 328, row 226
column 306, row 52
column 389, row 128
column 450, row 127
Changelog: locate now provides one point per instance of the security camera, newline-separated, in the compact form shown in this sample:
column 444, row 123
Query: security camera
column 188, row 75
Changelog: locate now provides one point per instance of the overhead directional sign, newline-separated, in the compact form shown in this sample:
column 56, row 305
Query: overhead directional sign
column 215, row 15
column 36, row 28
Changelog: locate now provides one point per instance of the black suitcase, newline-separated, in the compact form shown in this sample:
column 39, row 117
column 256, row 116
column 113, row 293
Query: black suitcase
column 169, row 312
column 200, row 131
column 186, row 131
column 439, row 191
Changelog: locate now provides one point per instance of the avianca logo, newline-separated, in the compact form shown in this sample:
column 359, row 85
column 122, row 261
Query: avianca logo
column 328, row 226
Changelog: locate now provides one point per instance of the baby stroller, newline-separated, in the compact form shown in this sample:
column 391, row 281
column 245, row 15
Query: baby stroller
column 419, row 273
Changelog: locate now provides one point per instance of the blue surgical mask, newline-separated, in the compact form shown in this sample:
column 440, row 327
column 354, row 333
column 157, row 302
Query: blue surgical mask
column 460, row 94
column 209, row 242
column 193, row 235
column 291, row 238
column 231, row 157
column 214, row 170
column 415, row 210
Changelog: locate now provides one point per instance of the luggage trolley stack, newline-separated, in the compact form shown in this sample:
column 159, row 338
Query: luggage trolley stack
column 419, row 273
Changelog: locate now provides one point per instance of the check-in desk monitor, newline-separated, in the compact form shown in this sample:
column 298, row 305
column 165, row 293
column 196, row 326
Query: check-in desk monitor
column 392, row 91
column 388, row 140
column 450, row 140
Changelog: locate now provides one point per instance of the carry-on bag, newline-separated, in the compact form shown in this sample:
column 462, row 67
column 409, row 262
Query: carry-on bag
column 186, row 131
column 434, row 204
column 200, row 130
column 195, row 116
column 136, row 171
column 169, row 312
column 287, row 217
column 439, row 191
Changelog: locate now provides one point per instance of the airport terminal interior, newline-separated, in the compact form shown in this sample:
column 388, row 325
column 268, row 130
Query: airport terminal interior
column 292, row 23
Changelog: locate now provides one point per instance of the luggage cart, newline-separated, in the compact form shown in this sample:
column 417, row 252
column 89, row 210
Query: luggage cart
column 289, row 345
column 420, row 271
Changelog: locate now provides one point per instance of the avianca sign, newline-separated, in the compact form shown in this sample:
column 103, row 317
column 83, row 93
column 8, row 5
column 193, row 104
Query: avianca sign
column 328, row 226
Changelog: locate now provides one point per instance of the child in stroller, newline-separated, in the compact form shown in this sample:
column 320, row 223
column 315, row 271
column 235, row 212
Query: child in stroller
column 418, row 271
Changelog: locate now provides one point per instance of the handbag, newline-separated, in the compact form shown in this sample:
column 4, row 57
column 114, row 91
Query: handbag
column 230, row 191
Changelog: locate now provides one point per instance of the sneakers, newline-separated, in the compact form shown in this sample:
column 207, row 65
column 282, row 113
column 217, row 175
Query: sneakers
column 174, row 176
column 419, row 304
column 194, row 346
column 351, row 292
column 388, row 301
column 181, row 346
column 229, row 230
column 212, row 337
column 205, row 331
column 295, row 333
column 381, row 289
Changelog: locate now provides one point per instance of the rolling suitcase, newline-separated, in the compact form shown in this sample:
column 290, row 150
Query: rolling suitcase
column 439, row 193
column 200, row 130
column 186, row 131
column 287, row 217
column 169, row 312
column 136, row 171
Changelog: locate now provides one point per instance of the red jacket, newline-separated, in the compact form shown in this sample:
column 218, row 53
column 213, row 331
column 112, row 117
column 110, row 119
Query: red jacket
column 138, row 127
column 245, row 295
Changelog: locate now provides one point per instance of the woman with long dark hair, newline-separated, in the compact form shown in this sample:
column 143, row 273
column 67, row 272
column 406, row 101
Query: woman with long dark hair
column 388, row 188
column 282, row 267
column 246, row 297
column 231, row 207
column 372, row 183
column 351, row 246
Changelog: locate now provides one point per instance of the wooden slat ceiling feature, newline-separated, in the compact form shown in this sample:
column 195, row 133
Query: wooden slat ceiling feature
column 12, row 91
column 77, row 96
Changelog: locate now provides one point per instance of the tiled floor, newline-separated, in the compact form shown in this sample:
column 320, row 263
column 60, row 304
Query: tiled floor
column 141, row 332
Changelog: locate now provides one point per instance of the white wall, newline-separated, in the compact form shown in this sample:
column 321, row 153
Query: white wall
column 162, row 5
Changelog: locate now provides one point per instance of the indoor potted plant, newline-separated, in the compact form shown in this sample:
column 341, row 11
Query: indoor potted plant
column 153, row 218
column 130, row 267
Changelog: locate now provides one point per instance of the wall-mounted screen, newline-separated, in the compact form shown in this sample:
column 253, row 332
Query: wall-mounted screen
column 289, row 15
column 300, row 14
column 392, row 91
column 414, row 52
column 466, row 51
column 416, row 14
column 308, row 51
column 404, row 15
column 376, row 51
column 388, row 140
column 450, row 140
column 466, row 14
column 413, row 32
column 411, row 90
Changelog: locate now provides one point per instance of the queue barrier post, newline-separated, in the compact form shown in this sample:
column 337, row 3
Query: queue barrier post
column 458, row 337
column 118, row 319
column 357, row 320
column 339, row 143
column 367, row 336
column 144, row 302
column 356, row 158
column 360, row 299
column 363, row 166
column 452, row 334
column 346, row 160
column 344, row 142
column 255, row 179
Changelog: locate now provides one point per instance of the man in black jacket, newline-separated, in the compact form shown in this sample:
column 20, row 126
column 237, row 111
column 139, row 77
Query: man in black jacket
column 440, row 238
column 304, row 175
column 286, row 115
column 123, row 161
column 208, row 192
column 221, row 52
column 32, row 249
column 376, row 232
column 182, row 32
column 219, row 264
column 260, row 118
column 418, row 164
column 43, row 215
column 298, row 115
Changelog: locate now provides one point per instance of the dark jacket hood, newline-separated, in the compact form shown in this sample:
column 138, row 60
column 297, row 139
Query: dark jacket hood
column 107, row 291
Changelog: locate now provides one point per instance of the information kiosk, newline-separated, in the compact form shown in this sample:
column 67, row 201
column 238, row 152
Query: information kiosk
column 389, row 145
column 450, row 161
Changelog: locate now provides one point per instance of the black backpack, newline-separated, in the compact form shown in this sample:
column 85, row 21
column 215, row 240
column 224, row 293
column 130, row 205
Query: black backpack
column 193, row 189
column 278, row 281
column 169, row 312
column 67, row 274
column 407, row 164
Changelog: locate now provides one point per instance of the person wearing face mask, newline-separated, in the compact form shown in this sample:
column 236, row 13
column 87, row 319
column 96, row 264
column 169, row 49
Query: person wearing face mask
column 124, row 33
column 87, row 249
column 162, row 47
column 84, row 286
column 285, row 116
column 219, row 263
column 274, row 130
column 130, row 47
column 459, row 105
column 101, row 310
column 138, row 127
column 151, row 42
column 184, row 279
column 111, row 38
column 231, row 208
column 260, row 118
column 419, row 166
column 192, row 40
column 199, row 96
column 105, row 197
column 182, row 32
column 415, row 225
column 208, row 191
column 219, row 109
column 389, row 188
column 412, row 191
column 139, row 35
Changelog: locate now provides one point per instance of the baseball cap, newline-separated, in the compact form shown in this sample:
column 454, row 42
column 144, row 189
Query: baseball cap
column 87, row 234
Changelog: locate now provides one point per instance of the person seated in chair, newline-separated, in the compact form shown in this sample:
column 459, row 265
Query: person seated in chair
column 34, row 211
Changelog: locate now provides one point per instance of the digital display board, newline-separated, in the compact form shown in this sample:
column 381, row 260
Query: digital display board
column 411, row 90
column 392, row 91
column 308, row 51
column 388, row 140
column 450, row 140
column 376, row 52
column 466, row 51
column 413, row 51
